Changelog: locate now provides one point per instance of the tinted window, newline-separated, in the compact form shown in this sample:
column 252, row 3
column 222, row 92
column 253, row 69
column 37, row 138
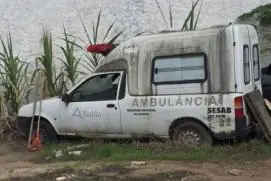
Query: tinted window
column 179, row 69
column 246, row 64
column 256, row 63
column 97, row 88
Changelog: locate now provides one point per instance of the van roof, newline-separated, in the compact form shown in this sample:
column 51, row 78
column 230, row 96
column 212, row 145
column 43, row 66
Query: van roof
column 166, row 33
column 180, row 31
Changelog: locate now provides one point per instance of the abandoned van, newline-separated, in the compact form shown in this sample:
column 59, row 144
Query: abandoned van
column 183, row 86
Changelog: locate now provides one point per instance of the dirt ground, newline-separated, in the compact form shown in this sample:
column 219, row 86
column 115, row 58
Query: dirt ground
column 20, row 165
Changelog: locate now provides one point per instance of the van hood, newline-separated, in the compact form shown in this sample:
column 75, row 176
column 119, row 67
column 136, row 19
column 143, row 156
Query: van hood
column 50, row 103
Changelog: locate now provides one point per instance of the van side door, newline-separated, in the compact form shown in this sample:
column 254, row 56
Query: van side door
column 93, row 106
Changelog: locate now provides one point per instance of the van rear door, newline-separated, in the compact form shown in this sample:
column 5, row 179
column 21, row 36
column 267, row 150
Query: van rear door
column 243, row 59
column 244, row 71
column 254, row 54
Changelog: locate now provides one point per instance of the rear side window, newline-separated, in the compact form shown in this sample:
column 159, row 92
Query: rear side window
column 179, row 69
column 256, row 62
column 246, row 64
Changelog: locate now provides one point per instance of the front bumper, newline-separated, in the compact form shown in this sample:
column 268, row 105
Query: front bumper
column 23, row 124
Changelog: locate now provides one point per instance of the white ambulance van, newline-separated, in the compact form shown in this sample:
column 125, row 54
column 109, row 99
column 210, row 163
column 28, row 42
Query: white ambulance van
column 184, row 86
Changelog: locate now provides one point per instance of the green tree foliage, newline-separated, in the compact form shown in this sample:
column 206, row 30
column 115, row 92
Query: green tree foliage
column 261, row 13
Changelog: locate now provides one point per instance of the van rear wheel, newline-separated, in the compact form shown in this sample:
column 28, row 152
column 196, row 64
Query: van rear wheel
column 191, row 134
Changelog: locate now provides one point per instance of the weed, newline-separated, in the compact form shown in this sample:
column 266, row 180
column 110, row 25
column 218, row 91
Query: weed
column 165, row 151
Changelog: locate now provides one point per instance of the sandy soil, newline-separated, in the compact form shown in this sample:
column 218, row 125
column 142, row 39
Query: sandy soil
column 20, row 165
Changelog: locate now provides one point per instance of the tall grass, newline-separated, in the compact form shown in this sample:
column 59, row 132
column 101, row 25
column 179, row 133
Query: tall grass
column 191, row 20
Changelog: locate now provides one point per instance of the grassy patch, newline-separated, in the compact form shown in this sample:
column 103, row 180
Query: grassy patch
column 253, row 150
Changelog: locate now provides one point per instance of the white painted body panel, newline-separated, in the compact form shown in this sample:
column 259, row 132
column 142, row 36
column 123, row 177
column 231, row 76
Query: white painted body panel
column 86, row 117
column 154, row 115
column 50, row 110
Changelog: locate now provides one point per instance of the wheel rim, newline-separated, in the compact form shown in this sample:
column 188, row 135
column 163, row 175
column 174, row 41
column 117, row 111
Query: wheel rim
column 189, row 138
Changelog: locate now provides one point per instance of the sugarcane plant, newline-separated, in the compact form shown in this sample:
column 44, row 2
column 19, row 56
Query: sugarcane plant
column 55, row 83
column 95, row 37
column 70, row 61
column 191, row 20
column 13, row 87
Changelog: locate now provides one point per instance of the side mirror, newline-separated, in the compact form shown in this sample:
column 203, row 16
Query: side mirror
column 65, row 98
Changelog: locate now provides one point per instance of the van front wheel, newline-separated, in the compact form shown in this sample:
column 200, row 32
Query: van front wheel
column 46, row 132
column 191, row 134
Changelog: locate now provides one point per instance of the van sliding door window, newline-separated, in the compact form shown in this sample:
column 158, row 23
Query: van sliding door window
column 246, row 64
column 256, row 63
column 179, row 69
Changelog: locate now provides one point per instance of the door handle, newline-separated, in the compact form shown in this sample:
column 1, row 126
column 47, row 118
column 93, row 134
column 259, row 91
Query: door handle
column 110, row 105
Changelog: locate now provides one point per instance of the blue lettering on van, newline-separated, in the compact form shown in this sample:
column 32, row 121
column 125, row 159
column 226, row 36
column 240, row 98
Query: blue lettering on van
column 85, row 114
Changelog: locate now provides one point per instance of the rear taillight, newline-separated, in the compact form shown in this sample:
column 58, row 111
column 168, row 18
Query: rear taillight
column 238, row 106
